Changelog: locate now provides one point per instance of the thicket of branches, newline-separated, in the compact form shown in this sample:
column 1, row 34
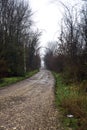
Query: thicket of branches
column 70, row 56
column 17, row 41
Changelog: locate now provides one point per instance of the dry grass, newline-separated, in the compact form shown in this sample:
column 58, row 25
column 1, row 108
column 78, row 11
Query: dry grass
column 73, row 100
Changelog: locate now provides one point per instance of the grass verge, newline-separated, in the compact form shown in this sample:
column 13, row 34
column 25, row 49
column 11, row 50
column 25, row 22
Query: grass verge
column 11, row 80
column 72, row 101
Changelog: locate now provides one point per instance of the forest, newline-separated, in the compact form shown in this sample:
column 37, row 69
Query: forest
column 69, row 53
column 17, row 40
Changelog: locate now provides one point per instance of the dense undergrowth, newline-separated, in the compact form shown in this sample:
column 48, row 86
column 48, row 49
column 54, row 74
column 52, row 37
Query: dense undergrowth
column 72, row 101
column 10, row 80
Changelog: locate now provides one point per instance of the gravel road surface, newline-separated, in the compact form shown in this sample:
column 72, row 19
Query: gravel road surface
column 29, row 104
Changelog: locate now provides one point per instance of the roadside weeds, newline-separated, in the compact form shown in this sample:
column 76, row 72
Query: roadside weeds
column 72, row 102
column 11, row 80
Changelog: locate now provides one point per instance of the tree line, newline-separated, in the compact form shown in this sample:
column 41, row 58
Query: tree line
column 17, row 40
column 69, row 54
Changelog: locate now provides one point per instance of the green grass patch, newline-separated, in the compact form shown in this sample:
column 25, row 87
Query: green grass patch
column 11, row 80
column 72, row 101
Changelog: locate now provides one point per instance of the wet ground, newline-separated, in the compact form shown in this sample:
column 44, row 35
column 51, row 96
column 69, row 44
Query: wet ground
column 30, row 104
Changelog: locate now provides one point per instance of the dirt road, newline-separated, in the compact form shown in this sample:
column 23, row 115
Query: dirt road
column 29, row 104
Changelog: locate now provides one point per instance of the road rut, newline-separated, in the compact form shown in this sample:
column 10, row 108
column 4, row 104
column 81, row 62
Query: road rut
column 30, row 104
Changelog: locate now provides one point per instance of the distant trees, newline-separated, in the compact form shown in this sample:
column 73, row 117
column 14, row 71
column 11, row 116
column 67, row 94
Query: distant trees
column 70, row 55
column 15, row 35
column 50, row 58
column 32, row 58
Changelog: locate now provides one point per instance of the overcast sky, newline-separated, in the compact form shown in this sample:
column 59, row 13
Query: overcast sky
column 47, row 17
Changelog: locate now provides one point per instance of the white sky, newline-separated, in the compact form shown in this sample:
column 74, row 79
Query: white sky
column 47, row 17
